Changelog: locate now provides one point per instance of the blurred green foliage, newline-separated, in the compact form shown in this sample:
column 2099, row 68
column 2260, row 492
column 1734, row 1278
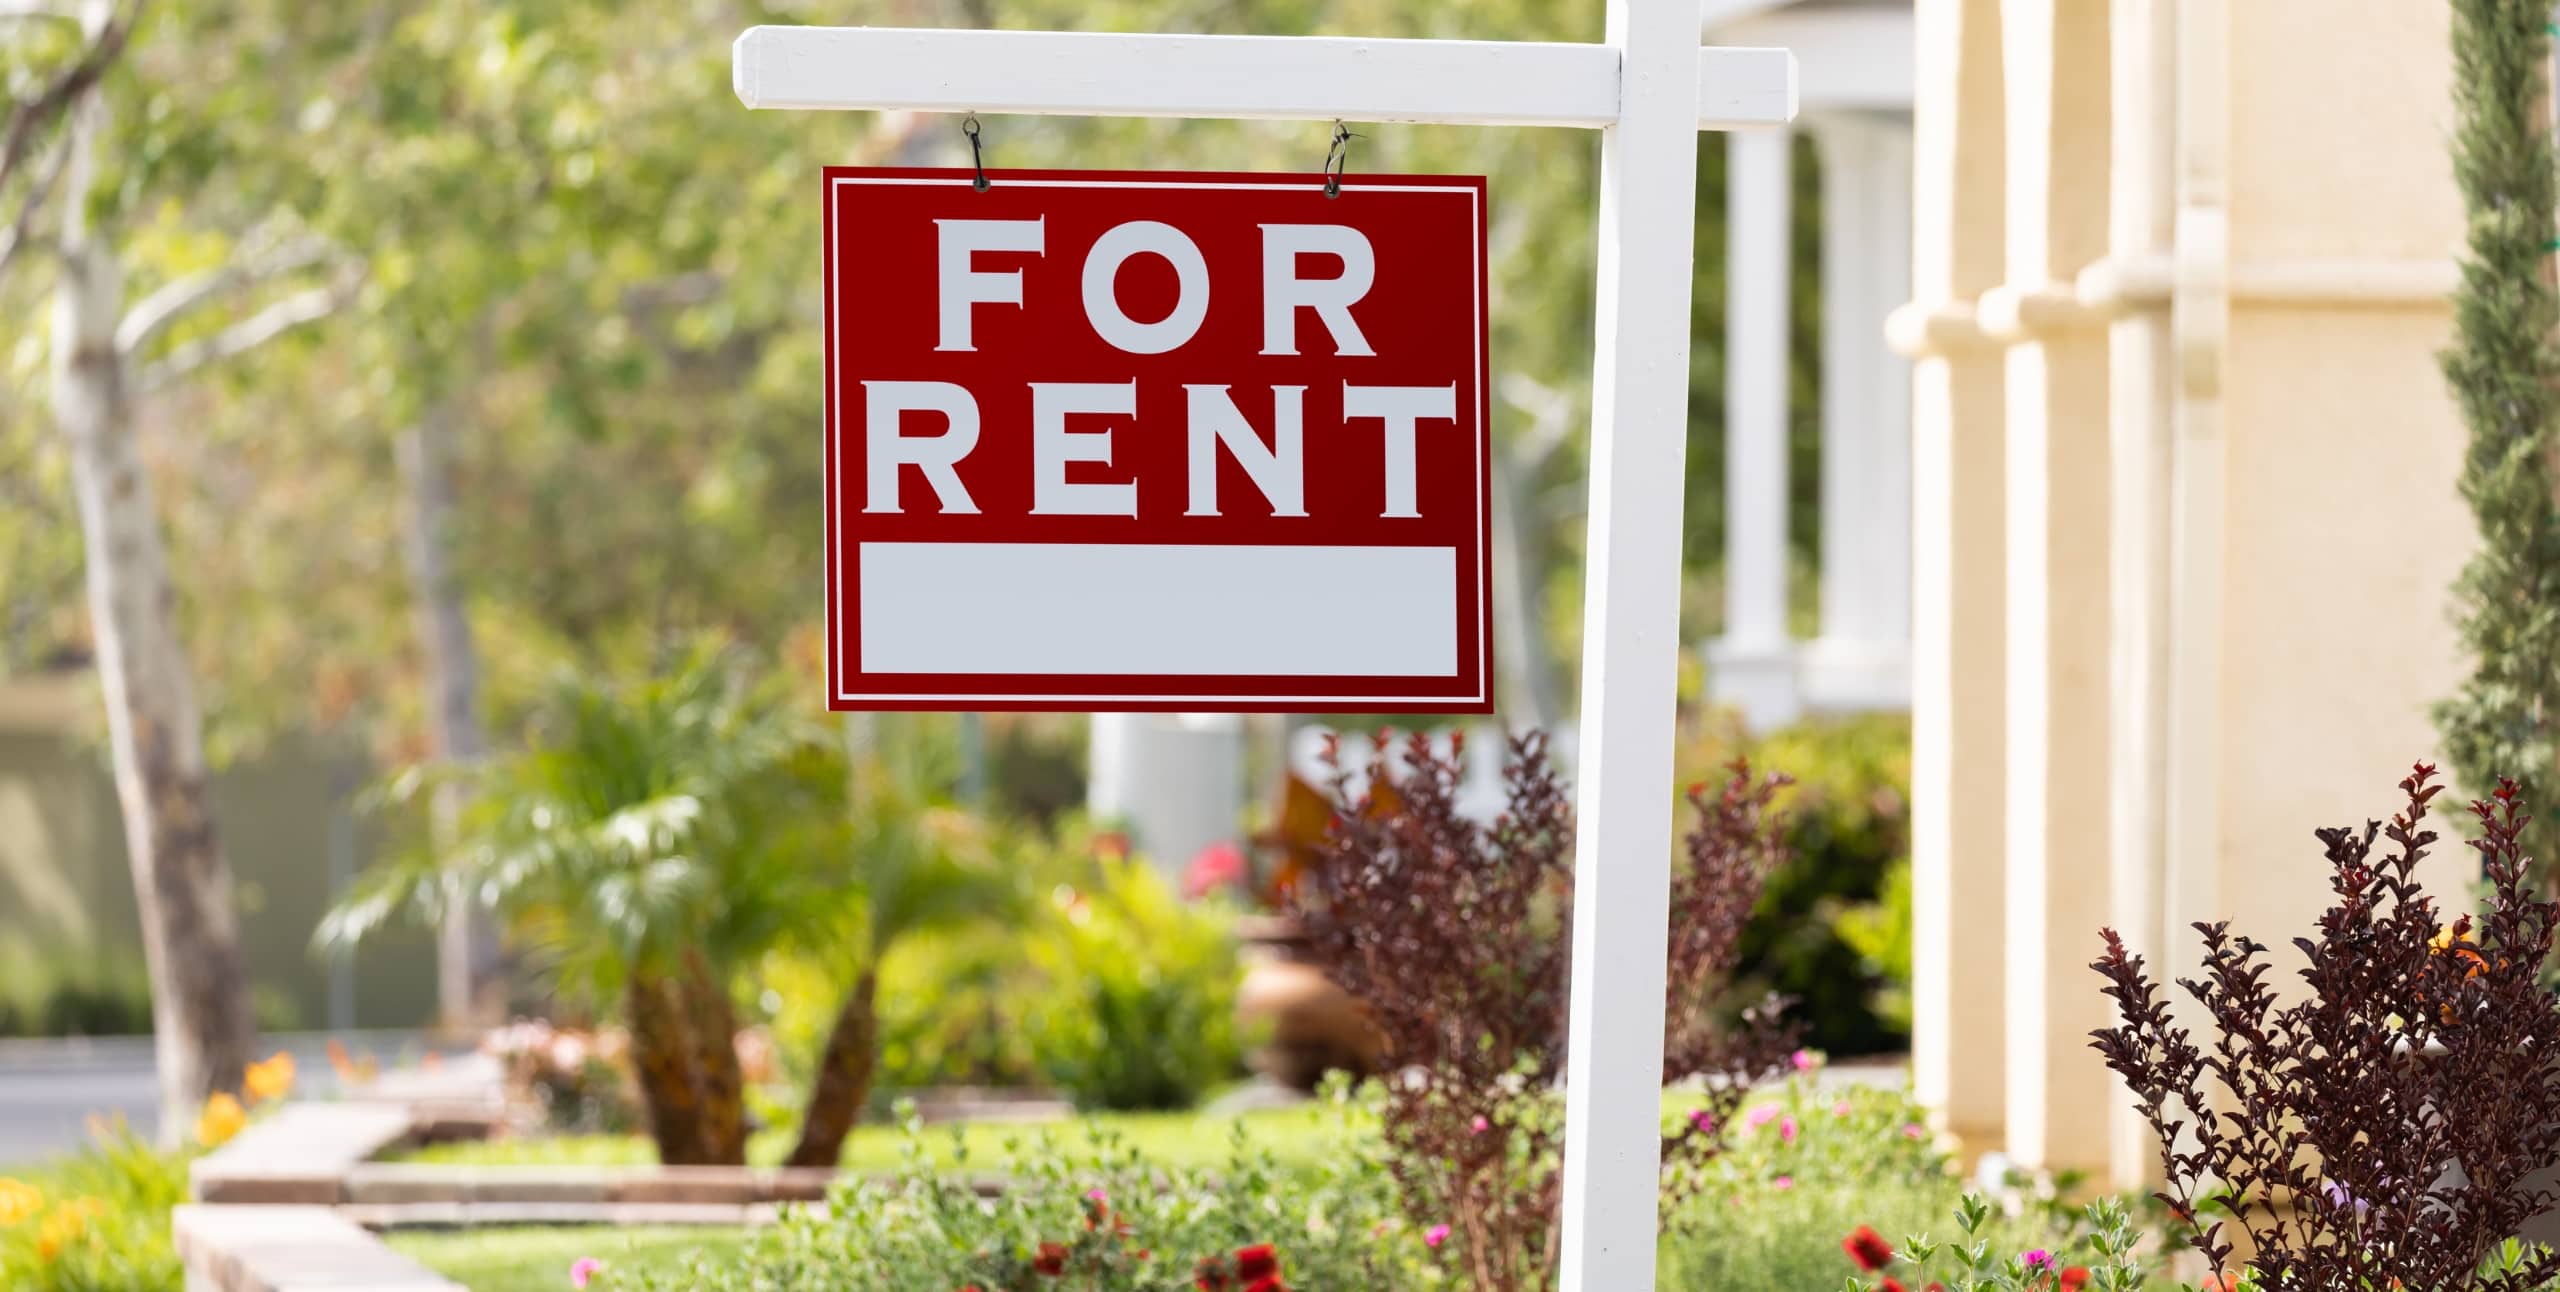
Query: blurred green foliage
column 1135, row 1007
column 1108, row 988
column 1833, row 928
column 71, row 994
column 94, row 1220
column 572, row 238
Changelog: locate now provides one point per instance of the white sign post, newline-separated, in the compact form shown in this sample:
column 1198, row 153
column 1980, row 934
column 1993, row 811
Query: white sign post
column 1648, row 88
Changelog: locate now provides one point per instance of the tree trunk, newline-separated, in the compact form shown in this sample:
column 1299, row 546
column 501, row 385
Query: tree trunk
column 713, row 1024
column 843, row 1083
column 182, row 885
column 662, row 1060
column 470, row 990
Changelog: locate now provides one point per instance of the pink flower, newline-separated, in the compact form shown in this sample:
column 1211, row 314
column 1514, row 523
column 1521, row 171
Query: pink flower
column 2037, row 1259
column 1098, row 1195
column 1435, row 1235
column 1220, row 865
column 1761, row 1116
column 582, row 1270
column 1912, row 1130
column 1787, row 1130
column 1479, row 1126
column 1700, row 1122
column 1783, row 1183
column 1804, row 1061
column 1840, row 1109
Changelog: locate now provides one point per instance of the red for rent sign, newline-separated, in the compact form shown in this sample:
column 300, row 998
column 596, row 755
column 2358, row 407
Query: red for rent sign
column 1156, row 441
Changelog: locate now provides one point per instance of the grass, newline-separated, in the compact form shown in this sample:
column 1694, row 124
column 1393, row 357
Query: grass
column 530, row 1259
column 1296, row 1136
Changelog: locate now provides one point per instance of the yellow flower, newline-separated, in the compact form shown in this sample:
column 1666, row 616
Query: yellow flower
column 270, row 1080
column 222, row 1118
column 18, row 1201
column 68, row 1224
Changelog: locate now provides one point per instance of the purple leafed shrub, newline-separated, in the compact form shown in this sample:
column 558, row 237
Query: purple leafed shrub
column 1454, row 935
column 2385, row 1125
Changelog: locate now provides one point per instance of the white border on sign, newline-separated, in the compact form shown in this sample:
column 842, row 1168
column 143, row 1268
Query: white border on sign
column 1482, row 438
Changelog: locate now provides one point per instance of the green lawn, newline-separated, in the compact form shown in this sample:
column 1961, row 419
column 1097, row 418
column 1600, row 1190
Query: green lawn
column 528, row 1259
column 1302, row 1135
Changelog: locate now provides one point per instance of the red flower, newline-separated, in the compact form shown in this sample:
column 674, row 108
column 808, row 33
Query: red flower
column 1051, row 1261
column 1220, row 865
column 1212, row 1275
column 1257, row 1262
column 1891, row 1284
column 1868, row 1248
column 1267, row 1283
column 2075, row 1278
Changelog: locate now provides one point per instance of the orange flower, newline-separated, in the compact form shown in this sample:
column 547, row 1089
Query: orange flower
column 222, row 1118
column 269, row 1081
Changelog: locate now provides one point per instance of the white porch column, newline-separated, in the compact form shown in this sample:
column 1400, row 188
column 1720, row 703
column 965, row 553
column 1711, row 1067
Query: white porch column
column 1175, row 779
column 1959, row 1027
column 1862, row 660
column 1753, row 666
column 2060, row 744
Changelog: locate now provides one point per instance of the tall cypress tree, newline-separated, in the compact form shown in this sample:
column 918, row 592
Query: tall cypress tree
column 2504, row 370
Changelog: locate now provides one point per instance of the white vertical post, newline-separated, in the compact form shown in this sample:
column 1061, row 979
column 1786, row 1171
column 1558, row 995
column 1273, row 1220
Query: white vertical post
column 1630, row 634
column 1862, row 660
column 1177, row 780
column 1753, row 664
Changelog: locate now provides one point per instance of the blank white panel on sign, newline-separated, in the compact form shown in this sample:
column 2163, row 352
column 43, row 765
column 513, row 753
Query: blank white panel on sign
column 1136, row 609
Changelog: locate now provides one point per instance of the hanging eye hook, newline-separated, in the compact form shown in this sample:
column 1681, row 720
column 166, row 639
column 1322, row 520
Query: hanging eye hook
column 977, row 151
column 1336, row 155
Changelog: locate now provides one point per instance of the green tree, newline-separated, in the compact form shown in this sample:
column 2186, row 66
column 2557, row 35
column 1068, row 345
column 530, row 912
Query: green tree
column 232, row 274
column 2505, row 720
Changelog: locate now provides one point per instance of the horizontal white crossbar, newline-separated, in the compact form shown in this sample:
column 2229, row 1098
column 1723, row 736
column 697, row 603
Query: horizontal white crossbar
column 1288, row 78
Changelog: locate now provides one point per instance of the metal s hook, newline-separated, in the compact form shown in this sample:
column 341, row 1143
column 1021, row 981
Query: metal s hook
column 1336, row 155
column 977, row 151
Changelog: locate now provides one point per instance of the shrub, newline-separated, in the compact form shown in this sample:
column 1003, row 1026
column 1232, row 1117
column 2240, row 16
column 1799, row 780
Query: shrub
column 2388, row 1128
column 1800, row 1170
column 1106, row 1220
column 1453, row 935
column 2093, row 1250
column 65, row 992
column 1831, row 932
column 580, row 1080
column 1137, row 1006
column 951, row 1012
column 93, row 1221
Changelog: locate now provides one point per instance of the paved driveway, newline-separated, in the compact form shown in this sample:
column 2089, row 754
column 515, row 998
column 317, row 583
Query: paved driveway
column 49, row 1089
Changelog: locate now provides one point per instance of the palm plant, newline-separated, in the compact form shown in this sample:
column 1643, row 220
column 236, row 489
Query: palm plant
column 646, row 840
column 915, row 866
column 651, row 840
